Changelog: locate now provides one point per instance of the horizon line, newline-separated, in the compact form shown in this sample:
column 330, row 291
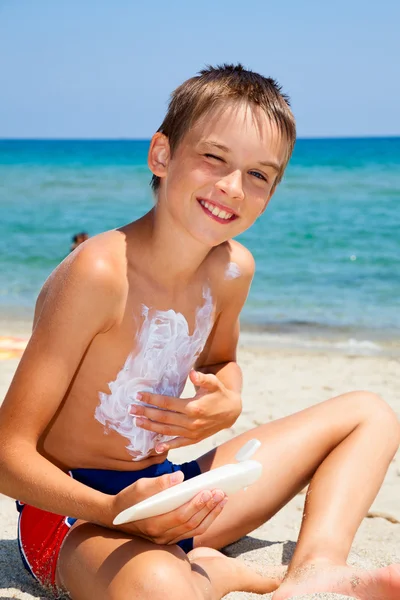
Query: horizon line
column 143, row 139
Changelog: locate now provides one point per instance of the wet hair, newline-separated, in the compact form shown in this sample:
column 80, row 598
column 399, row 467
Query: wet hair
column 214, row 86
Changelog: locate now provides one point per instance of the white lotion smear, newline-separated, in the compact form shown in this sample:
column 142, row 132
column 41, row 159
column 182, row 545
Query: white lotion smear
column 232, row 271
column 247, row 451
column 160, row 364
column 229, row 478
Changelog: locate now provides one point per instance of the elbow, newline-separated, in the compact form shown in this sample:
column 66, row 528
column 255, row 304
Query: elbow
column 236, row 410
column 11, row 456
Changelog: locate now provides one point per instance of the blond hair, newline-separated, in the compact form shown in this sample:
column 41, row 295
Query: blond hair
column 226, row 83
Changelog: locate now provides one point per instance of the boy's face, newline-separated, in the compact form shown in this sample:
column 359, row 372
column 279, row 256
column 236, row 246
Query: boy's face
column 222, row 174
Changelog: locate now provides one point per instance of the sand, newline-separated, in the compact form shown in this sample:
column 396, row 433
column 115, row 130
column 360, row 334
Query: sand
column 277, row 383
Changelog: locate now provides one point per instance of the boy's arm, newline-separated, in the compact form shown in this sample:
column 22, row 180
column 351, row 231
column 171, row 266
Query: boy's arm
column 219, row 360
column 220, row 353
column 82, row 301
column 217, row 376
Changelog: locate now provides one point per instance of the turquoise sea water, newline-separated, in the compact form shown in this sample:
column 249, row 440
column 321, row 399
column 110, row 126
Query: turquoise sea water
column 327, row 249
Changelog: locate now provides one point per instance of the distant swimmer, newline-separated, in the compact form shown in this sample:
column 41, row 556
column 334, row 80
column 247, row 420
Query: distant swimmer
column 78, row 238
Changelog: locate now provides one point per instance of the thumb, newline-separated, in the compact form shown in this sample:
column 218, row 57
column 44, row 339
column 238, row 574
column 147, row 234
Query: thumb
column 148, row 486
column 168, row 480
column 208, row 381
column 174, row 478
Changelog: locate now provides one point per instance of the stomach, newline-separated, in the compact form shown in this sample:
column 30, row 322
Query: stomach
column 86, row 444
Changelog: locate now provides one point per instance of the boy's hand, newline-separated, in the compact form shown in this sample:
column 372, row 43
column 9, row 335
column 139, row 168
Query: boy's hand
column 212, row 409
column 189, row 520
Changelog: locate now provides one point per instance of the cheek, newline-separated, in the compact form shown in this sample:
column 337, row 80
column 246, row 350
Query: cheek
column 199, row 175
column 202, row 172
column 185, row 176
column 257, row 201
column 265, row 202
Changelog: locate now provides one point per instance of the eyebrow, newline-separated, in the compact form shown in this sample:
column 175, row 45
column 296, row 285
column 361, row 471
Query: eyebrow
column 266, row 163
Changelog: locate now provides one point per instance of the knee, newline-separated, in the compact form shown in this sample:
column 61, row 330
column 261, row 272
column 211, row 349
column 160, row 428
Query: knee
column 159, row 579
column 379, row 412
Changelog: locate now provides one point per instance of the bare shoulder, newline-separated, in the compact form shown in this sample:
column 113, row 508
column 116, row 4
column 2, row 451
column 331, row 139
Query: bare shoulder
column 243, row 259
column 230, row 272
column 233, row 265
column 94, row 272
column 82, row 298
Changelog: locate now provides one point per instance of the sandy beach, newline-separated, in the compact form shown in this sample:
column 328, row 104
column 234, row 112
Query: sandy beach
column 277, row 383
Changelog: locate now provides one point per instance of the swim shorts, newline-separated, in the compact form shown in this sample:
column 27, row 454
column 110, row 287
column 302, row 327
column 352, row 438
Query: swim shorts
column 41, row 533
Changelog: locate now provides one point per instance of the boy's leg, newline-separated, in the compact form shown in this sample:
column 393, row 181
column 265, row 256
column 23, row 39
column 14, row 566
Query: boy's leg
column 344, row 446
column 108, row 565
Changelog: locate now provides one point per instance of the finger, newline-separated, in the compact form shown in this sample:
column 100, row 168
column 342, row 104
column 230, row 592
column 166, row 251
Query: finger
column 148, row 486
column 160, row 416
column 160, row 526
column 180, row 522
column 164, row 402
column 207, row 381
column 202, row 521
column 169, row 430
column 178, row 442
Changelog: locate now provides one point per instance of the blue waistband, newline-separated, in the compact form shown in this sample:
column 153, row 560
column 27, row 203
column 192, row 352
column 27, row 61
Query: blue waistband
column 112, row 482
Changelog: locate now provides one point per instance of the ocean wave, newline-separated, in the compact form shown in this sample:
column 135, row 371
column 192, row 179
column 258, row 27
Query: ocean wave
column 352, row 346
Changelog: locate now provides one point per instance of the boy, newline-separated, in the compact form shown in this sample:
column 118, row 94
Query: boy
column 118, row 327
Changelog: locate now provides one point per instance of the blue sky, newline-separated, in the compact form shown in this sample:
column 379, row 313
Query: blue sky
column 100, row 69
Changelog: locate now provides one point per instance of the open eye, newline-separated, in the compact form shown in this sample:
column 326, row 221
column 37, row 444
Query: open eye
column 259, row 176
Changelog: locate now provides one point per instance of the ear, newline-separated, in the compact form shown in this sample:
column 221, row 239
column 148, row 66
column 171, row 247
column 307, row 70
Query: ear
column 159, row 154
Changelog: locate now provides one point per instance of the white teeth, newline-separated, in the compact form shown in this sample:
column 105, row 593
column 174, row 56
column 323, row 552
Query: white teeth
column 222, row 214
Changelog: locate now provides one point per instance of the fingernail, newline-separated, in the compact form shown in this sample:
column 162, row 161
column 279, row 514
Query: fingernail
column 160, row 449
column 217, row 496
column 139, row 396
column 206, row 496
column 175, row 477
column 133, row 410
column 139, row 421
column 224, row 501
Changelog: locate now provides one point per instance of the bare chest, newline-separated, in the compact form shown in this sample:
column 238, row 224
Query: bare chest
column 162, row 354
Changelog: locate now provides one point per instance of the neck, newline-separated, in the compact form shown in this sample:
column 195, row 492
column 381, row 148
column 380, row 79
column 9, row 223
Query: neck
column 170, row 254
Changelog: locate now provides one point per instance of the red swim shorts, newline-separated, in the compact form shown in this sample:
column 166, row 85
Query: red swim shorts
column 41, row 533
column 40, row 537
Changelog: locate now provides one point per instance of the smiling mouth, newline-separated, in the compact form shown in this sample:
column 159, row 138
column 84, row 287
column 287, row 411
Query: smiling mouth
column 221, row 215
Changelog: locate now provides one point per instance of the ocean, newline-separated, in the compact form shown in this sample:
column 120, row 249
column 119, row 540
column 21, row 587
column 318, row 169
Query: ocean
column 327, row 249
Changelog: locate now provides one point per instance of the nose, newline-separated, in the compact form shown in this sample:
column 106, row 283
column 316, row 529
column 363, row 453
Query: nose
column 231, row 185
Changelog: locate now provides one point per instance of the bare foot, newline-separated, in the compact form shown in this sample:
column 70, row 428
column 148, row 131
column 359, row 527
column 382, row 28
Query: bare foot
column 230, row 574
column 376, row 584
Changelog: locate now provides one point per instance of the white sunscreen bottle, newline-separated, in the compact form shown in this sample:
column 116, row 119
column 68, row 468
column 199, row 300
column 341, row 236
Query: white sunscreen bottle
column 229, row 478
